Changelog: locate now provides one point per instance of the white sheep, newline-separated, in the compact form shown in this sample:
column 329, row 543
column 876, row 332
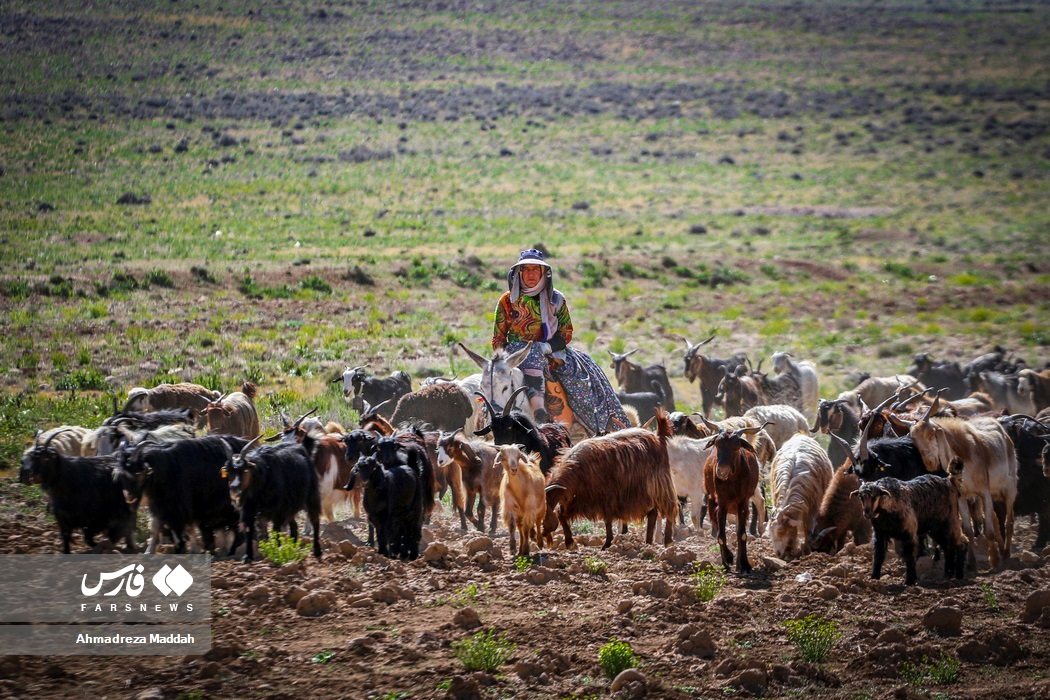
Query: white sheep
column 786, row 421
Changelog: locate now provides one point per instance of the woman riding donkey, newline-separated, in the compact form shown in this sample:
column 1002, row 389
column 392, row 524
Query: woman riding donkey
column 562, row 382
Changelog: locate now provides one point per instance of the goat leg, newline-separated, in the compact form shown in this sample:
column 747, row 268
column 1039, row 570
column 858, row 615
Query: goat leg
column 668, row 530
column 879, row 544
column 512, row 528
column 293, row 529
column 566, row 530
column 727, row 554
column 608, row 534
column 743, row 566
column 492, row 518
column 909, row 546
column 650, row 525
column 67, row 540
column 480, row 522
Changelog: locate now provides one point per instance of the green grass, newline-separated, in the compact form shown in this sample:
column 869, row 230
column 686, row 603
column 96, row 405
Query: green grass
column 813, row 636
column 281, row 549
column 484, row 651
column 616, row 656
column 707, row 582
column 944, row 670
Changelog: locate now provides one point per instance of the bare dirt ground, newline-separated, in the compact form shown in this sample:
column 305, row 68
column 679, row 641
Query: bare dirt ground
column 389, row 625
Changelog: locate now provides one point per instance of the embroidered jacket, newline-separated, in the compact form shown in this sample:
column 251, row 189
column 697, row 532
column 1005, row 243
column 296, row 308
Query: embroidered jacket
column 521, row 322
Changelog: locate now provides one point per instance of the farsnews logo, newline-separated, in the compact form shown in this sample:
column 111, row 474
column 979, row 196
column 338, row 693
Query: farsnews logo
column 131, row 580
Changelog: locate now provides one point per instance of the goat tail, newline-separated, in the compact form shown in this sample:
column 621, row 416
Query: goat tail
column 454, row 476
column 249, row 390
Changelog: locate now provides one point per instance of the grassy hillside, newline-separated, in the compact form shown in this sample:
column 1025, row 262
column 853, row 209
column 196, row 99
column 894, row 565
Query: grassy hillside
column 269, row 190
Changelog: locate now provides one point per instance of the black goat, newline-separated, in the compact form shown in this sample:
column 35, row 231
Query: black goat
column 1031, row 441
column 185, row 486
column 83, row 494
column 644, row 402
column 708, row 370
column 837, row 418
column 634, row 379
column 394, row 497
column 275, row 482
column 516, row 428
column 370, row 390
column 906, row 512
column 940, row 375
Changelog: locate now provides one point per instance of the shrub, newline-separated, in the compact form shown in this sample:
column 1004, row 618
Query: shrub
column 317, row 284
column 158, row 278
column 616, row 656
column 708, row 582
column 522, row 564
column 123, row 282
column 281, row 549
column 202, row 274
column 484, row 651
column 944, row 671
column 813, row 636
column 989, row 596
column 84, row 379
column 595, row 566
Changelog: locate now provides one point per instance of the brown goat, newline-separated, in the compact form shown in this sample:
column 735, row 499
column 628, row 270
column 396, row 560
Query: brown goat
column 328, row 455
column 730, row 479
column 740, row 392
column 622, row 476
column 234, row 414
column 839, row 515
column 474, row 461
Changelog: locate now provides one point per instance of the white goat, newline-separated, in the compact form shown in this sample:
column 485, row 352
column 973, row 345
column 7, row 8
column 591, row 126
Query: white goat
column 798, row 479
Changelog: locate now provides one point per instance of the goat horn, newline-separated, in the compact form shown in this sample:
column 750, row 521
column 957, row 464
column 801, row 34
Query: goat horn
column 274, row 438
column 36, row 438
column 127, row 404
column 825, row 531
column 226, row 448
column 302, row 418
column 284, row 418
column 358, row 367
column 741, row 431
column 862, row 446
column 713, row 426
column 375, row 409
column 901, row 405
column 553, row 487
column 849, row 450
column 244, row 450
column 55, row 434
column 219, row 400
column 510, row 401
column 932, row 410
column 703, row 342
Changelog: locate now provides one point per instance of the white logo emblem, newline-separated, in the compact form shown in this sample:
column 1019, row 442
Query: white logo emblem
column 169, row 580
column 130, row 575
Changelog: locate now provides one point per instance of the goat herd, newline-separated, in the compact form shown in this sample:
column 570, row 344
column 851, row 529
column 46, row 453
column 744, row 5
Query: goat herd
column 945, row 452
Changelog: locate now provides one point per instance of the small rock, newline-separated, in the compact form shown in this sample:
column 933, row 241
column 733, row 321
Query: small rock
column 693, row 641
column 257, row 595
column 772, row 564
column 828, row 593
column 435, row 552
column 314, row 604
column 1034, row 605
column 151, row 694
column 891, row 635
column 624, row 607
column 462, row 688
column 527, row 669
column 753, row 680
column 479, row 544
column 944, row 620
column 210, row 669
column 630, row 675
column 347, row 548
column 677, row 558
column 537, row 575
column 295, row 594
column 290, row 569
column 466, row 618
column 219, row 582
column 388, row 594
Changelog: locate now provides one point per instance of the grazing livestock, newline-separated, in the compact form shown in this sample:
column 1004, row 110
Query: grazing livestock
column 839, row 515
column 66, row 440
column 623, row 476
column 475, row 464
column 686, row 456
column 708, row 370
column 82, row 492
column 180, row 395
column 940, row 375
column 994, row 361
column 990, row 475
column 234, row 413
column 806, row 374
column 521, row 493
column 798, row 479
column 634, row 379
column 398, row 491
column 1030, row 439
column 513, row 427
column 151, row 420
column 740, row 391
column 783, row 388
column 907, row 511
column 328, row 456
column 1004, row 390
column 410, row 447
column 364, row 389
column 274, row 482
column 730, row 478
column 112, row 437
column 185, row 486
column 764, row 450
column 644, row 403
column 1036, row 386
column 785, row 422
column 874, row 390
column 443, row 406
column 501, row 378
column 371, row 420
column 837, row 418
